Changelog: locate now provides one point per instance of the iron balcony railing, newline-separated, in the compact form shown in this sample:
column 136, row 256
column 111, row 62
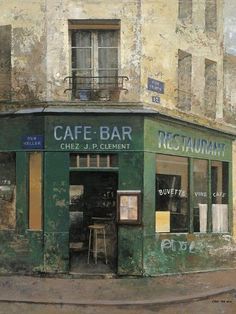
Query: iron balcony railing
column 95, row 87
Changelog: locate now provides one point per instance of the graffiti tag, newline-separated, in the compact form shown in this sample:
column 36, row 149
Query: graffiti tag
column 175, row 246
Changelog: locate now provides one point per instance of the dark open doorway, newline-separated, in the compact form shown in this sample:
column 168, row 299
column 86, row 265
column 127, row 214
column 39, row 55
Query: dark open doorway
column 92, row 201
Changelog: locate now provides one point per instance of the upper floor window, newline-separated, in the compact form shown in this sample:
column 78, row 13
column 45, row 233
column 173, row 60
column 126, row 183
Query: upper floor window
column 95, row 53
column 95, row 60
column 211, row 16
column 185, row 10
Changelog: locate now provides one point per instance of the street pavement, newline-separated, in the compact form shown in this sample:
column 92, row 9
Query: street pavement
column 161, row 290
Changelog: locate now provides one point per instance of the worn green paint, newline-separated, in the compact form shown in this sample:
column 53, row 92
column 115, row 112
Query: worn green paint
column 186, row 252
column 56, row 212
column 130, row 257
column 56, row 252
column 130, row 244
column 190, row 252
column 139, row 247
column 20, row 253
column 22, row 192
column 149, row 196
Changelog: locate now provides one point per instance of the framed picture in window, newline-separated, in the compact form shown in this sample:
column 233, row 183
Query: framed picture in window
column 129, row 207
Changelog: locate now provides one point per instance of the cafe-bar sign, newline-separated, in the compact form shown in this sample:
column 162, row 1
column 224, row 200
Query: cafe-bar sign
column 88, row 137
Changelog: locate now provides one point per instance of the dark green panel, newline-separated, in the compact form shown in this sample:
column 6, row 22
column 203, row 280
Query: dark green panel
column 94, row 133
column 56, row 211
column 149, row 193
column 130, row 258
column 14, row 127
column 171, row 138
column 56, row 192
column 22, row 192
column 130, row 242
column 131, row 171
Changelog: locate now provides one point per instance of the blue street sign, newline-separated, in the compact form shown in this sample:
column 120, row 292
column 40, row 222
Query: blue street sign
column 156, row 86
column 33, row 142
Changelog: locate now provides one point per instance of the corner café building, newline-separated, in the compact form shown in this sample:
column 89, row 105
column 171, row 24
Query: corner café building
column 162, row 189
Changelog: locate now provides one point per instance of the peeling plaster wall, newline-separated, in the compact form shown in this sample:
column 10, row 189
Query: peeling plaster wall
column 160, row 51
column 230, row 83
column 150, row 37
column 28, row 47
column 230, row 62
column 230, row 89
column 230, row 27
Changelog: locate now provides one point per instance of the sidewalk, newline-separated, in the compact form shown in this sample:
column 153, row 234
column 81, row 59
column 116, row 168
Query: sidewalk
column 127, row 291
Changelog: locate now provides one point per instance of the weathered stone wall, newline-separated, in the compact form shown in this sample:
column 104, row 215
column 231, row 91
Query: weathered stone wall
column 150, row 36
column 28, row 47
column 58, row 51
column 230, row 89
column 163, row 34
column 230, row 62
column 230, row 83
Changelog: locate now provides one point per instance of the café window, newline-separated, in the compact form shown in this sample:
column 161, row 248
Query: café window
column 200, row 195
column 219, row 197
column 7, row 190
column 171, row 194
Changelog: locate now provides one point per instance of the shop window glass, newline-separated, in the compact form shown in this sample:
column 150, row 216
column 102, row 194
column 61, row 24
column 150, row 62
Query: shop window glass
column 35, row 191
column 171, row 194
column 219, row 189
column 200, row 194
column 7, row 190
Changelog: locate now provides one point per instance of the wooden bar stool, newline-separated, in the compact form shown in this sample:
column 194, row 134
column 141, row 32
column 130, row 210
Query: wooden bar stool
column 94, row 230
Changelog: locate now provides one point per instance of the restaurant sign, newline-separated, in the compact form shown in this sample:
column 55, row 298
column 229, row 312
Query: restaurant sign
column 188, row 144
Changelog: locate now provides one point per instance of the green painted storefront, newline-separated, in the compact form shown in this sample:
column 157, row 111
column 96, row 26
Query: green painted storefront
column 136, row 139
